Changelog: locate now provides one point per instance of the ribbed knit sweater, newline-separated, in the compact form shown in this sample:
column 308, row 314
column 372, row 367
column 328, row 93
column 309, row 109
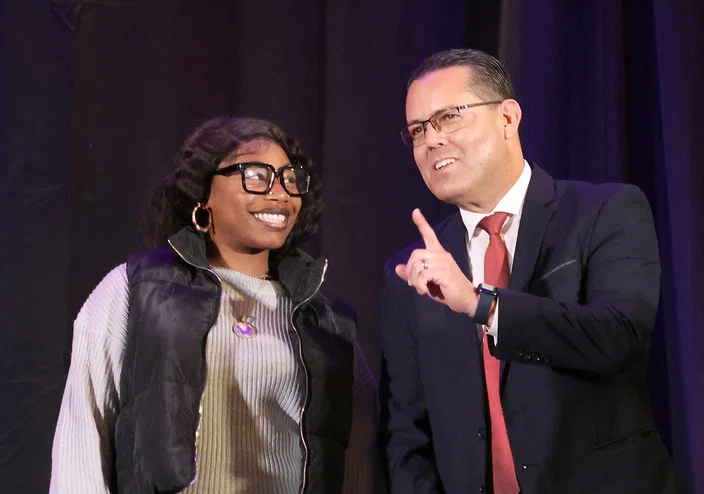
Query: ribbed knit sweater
column 249, row 436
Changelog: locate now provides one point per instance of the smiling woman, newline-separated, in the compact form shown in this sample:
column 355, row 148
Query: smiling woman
column 207, row 186
column 202, row 365
column 256, row 214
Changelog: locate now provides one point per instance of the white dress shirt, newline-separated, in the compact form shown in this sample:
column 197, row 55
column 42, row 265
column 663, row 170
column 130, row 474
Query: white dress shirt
column 478, row 239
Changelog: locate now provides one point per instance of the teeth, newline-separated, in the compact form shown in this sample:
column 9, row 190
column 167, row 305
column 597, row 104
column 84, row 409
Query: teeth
column 270, row 218
column 443, row 163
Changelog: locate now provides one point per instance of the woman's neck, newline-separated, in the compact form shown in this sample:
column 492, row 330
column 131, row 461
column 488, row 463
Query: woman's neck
column 251, row 264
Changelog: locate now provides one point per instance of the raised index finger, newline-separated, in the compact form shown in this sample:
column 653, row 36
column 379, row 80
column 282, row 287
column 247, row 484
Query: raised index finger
column 426, row 231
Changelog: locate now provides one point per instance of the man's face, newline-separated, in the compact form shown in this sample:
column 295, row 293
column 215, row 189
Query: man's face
column 459, row 167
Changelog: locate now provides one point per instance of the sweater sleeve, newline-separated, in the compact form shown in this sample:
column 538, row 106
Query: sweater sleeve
column 362, row 467
column 82, row 460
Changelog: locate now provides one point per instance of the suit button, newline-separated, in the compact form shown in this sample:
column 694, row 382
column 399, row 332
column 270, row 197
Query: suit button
column 480, row 433
column 529, row 356
column 519, row 353
column 481, row 489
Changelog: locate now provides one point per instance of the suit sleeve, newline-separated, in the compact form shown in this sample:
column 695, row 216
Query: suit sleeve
column 612, row 321
column 82, row 459
column 405, row 435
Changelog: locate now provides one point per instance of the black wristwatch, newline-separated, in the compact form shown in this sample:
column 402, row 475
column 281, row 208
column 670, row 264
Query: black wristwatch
column 487, row 294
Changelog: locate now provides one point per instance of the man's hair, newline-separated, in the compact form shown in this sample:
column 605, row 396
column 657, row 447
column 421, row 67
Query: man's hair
column 173, row 200
column 489, row 79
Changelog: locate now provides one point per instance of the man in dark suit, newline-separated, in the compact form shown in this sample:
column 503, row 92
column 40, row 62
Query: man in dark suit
column 515, row 336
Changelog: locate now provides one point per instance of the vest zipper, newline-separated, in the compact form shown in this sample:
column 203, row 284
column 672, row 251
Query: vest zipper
column 305, row 373
column 200, row 402
column 300, row 357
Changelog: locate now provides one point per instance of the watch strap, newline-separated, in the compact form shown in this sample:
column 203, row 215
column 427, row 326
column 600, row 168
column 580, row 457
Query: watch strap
column 484, row 303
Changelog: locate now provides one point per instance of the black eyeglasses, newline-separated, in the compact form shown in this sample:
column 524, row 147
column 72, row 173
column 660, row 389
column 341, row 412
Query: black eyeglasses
column 445, row 120
column 258, row 178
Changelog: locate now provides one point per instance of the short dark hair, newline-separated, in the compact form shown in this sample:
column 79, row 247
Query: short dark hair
column 489, row 78
column 172, row 201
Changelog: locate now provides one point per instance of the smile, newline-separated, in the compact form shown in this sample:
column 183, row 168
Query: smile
column 275, row 220
column 443, row 163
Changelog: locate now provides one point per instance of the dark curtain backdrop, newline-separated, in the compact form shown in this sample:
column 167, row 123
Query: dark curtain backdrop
column 96, row 97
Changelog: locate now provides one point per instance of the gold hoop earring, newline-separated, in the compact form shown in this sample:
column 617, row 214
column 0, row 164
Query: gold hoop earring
column 194, row 218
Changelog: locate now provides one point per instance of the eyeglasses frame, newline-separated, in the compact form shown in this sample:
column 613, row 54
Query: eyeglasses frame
column 424, row 123
column 228, row 170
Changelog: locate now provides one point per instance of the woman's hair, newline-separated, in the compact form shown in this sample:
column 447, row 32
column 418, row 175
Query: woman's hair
column 173, row 199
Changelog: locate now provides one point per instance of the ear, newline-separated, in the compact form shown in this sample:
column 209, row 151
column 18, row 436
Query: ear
column 512, row 113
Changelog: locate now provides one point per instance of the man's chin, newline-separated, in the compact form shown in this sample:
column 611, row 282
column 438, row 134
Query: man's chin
column 449, row 195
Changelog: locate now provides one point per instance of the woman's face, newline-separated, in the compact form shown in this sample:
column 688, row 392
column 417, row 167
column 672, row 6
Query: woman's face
column 250, row 223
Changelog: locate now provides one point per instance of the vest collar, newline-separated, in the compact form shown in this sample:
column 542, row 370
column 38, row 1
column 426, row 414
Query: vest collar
column 299, row 273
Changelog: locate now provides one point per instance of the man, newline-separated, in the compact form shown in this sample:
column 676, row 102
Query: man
column 515, row 338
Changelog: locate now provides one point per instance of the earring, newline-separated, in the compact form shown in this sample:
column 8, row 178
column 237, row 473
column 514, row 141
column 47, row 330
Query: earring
column 194, row 218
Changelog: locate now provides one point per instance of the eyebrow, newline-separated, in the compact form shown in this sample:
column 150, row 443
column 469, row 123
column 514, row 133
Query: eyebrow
column 412, row 122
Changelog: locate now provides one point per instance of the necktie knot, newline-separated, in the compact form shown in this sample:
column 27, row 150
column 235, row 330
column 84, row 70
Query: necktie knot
column 492, row 224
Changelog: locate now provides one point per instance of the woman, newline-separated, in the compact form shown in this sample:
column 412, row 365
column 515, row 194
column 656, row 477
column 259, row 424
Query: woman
column 215, row 364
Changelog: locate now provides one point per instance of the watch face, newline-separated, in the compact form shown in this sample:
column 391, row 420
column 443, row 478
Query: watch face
column 488, row 289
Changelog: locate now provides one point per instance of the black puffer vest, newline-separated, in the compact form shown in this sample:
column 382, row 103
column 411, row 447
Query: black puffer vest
column 174, row 302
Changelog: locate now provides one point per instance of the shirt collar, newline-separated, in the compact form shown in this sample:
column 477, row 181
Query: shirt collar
column 511, row 203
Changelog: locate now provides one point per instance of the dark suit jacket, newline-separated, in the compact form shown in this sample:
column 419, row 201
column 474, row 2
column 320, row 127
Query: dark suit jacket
column 573, row 330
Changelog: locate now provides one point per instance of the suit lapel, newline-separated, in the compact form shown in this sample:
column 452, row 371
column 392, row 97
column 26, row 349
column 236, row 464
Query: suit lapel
column 450, row 349
column 535, row 216
column 458, row 329
column 451, row 234
column 466, row 340
column 538, row 208
column 453, row 238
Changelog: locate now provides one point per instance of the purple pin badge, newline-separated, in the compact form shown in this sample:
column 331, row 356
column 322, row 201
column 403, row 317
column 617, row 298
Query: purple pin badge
column 243, row 329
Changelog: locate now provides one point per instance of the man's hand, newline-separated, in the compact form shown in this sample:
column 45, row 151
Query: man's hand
column 433, row 272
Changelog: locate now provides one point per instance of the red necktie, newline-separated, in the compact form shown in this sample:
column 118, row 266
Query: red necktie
column 496, row 272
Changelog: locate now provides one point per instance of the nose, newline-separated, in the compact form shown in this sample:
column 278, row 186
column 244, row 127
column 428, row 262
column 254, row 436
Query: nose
column 433, row 138
column 277, row 192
